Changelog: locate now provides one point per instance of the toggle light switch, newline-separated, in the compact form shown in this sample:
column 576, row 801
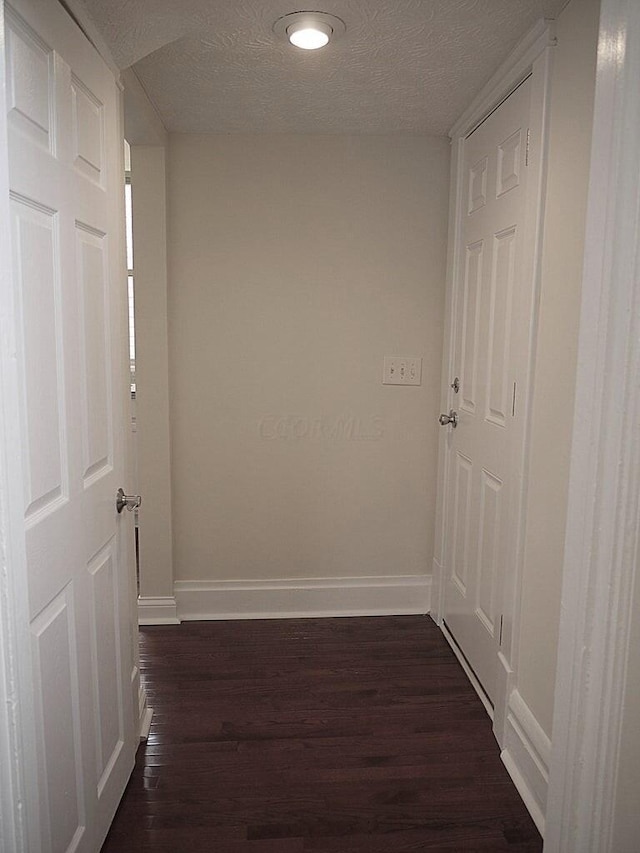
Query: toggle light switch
column 402, row 370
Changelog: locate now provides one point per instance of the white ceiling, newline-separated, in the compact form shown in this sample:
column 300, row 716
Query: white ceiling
column 408, row 66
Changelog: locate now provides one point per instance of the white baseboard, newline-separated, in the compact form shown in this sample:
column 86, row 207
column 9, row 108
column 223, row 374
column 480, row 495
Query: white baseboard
column 303, row 597
column 158, row 610
column 526, row 756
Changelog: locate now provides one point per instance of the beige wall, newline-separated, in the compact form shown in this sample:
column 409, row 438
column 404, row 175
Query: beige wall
column 296, row 264
column 152, row 395
column 555, row 368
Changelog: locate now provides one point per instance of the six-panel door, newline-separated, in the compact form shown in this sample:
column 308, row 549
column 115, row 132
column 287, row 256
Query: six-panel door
column 483, row 448
column 66, row 194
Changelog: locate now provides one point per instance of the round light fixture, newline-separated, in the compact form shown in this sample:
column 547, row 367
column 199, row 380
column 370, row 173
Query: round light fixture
column 309, row 35
column 309, row 30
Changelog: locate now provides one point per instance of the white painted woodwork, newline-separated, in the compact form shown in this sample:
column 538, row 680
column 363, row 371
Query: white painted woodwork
column 157, row 610
column 526, row 755
column 69, row 292
column 291, row 598
column 595, row 766
column 483, row 447
column 531, row 58
column 17, row 755
column 566, row 185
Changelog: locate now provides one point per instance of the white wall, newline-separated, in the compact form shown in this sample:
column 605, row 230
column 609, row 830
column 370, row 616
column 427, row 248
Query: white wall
column 295, row 264
column 152, row 391
column 555, row 368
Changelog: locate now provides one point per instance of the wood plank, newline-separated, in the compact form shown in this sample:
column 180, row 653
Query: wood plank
column 331, row 735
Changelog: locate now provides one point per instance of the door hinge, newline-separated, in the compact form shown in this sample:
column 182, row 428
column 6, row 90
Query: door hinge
column 526, row 155
column 501, row 622
column 513, row 402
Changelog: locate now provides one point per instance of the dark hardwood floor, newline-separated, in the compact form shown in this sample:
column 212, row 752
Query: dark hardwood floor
column 315, row 735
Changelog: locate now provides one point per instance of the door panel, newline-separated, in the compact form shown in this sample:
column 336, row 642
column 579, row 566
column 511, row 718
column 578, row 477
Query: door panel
column 62, row 811
column 30, row 83
column 88, row 132
column 105, row 653
column 483, row 472
column 70, row 286
column 36, row 248
column 91, row 254
column 490, row 517
column 470, row 332
column 500, row 311
column 461, row 522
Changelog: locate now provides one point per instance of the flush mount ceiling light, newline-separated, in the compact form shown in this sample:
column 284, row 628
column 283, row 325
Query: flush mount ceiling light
column 309, row 30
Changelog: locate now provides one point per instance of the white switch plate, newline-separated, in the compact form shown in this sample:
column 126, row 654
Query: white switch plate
column 402, row 370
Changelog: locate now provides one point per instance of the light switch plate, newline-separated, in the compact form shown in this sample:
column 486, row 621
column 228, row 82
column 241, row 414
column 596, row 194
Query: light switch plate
column 402, row 370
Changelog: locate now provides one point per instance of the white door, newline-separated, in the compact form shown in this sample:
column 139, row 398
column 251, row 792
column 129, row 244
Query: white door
column 483, row 448
column 66, row 182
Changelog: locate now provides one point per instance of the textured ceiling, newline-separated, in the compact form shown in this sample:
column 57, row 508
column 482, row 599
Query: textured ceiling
column 402, row 66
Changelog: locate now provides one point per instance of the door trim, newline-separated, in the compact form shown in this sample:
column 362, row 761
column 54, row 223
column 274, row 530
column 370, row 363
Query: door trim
column 532, row 57
column 18, row 766
column 601, row 565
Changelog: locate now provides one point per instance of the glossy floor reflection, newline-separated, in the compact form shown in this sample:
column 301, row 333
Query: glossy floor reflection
column 336, row 735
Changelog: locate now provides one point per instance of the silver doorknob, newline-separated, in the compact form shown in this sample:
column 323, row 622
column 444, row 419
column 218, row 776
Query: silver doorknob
column 131, row 502
column 451, row 418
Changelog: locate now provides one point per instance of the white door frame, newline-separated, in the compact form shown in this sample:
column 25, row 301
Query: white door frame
column 531, row 57
column 18, row 768
column 602, row 553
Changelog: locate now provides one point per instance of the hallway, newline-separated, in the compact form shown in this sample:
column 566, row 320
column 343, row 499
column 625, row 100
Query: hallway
column 354, row 734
